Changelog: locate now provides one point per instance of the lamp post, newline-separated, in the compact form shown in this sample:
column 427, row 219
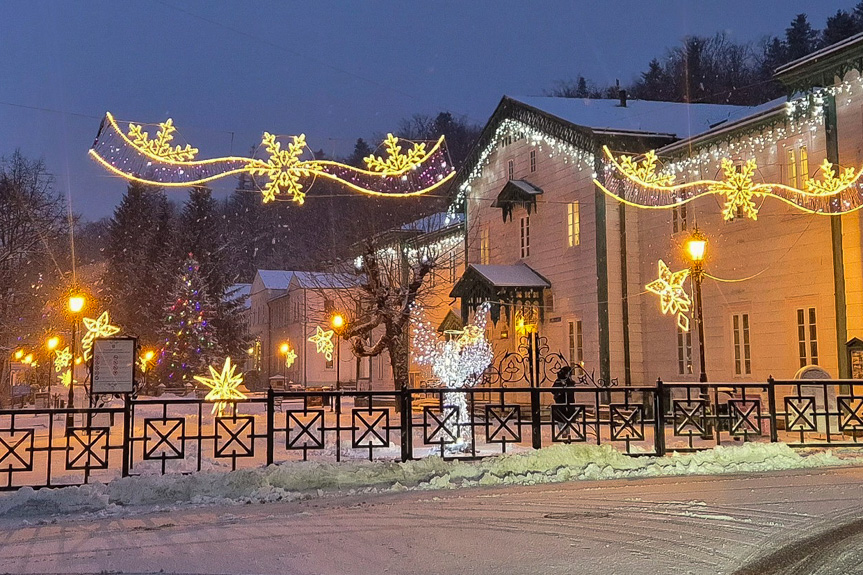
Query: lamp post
column 51, row 344
column 76, row 304
column 285, row 349
column 696, row 250
column 338, row 323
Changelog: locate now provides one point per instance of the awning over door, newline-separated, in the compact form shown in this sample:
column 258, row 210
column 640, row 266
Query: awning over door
column 508, row 286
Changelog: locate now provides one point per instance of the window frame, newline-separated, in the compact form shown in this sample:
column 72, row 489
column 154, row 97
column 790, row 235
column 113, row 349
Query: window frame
column 573, row 224
column 524, row 236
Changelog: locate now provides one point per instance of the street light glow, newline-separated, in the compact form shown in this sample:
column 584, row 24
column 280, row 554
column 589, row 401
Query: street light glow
column 338, row 321
column 76, row 303
column 52, row 342
column 696, row 247
column 19, row 354
column 284, row 348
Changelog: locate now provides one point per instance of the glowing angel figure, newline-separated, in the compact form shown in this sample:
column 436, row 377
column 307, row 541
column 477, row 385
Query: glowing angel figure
column 99, row 327
column 672, row 297
column 458, row 362
column 223, row 386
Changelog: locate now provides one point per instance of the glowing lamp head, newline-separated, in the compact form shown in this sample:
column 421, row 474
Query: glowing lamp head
column 149, row 355
column 251, row 351
column 284, row 348
column 696, row 247
column 52, row 343
column 28, row 359
column 338, row 321
column 19, row 354
column 78, row 360
column 76, row 303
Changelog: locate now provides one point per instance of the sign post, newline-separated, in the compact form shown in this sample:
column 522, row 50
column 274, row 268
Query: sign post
column 113, row 367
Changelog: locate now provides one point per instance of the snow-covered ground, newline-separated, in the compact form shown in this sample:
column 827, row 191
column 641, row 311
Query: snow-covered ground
column 307, row 480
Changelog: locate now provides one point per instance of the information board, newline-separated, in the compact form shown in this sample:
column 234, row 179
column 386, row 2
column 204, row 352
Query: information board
column 113, row 368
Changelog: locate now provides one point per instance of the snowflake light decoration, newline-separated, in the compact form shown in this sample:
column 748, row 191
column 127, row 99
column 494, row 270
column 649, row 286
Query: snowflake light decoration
column 161, row 147
column 673, row 298
column 396, row 162
column 223, row 386
column 99, row 327
column 323, row 340
column 738, row 190
column 284, row 169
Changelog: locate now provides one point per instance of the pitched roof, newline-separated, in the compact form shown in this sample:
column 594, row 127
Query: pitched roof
column 518, row 275
column 275, row 279
column 325, row 280
column 668, row 118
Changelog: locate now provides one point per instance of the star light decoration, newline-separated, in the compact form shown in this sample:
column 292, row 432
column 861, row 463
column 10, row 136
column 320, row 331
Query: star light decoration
column 323, row 340
column 645, row 185
column 223, row 386
column 62, row 359
column 289, row 172
column 99, row 327
column 672, row 297
column 290, row 357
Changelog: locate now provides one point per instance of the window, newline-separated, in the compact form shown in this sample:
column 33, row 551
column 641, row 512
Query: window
column 791, row 167
column 453, row 266
column 510, row 169
column 532, row 161
column 803, row 156
column 678, row 218
column 684, row 352
column 576, row 341
column 807, row 337
column 573, row 224
column 742, row 352
column 525, row 236
column 328, row 306
column 330, row 364
column 484, row 247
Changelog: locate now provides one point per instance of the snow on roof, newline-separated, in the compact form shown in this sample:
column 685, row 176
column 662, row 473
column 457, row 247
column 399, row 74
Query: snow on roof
column 325, row 280
column 675, row 118
column 433, row 223
column 516, row 275
column 275, row 279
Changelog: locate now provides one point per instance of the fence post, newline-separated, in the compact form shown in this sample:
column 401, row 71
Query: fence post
column 771, row 408
column 535, row 423
column 127, row 435
column 406, row 421
column 271, row 414
column 659, row 417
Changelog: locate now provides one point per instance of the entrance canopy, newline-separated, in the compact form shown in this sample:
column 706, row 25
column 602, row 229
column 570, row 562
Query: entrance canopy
column 516, row 193
column 512, row 285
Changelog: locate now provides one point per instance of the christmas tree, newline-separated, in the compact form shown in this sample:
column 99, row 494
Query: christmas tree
column 189, row 344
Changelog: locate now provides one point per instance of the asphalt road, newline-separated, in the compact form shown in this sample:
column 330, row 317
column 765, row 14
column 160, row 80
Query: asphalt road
column 785, row 522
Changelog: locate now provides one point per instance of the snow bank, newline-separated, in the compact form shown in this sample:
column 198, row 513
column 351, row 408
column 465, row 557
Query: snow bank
column 303, row 480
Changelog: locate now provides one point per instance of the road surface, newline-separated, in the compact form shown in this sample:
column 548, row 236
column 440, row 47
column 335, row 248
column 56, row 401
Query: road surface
column 784, row 522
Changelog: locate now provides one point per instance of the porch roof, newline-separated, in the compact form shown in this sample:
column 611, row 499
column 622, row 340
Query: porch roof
column 516, row 284
column 516, row 193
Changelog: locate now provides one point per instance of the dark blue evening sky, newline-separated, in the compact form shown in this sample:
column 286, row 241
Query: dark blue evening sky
column 227, row 71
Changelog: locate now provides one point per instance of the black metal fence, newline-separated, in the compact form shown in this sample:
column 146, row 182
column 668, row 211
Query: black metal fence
column 57, row 447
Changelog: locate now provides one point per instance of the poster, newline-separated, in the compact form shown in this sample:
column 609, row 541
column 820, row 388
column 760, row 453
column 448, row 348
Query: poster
column 113, row 368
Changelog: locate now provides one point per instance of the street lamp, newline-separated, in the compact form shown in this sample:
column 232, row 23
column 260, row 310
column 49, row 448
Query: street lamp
column 145, row 364
column 285, row 349
column 76, row 304
column 696, row 250
column 338, row 324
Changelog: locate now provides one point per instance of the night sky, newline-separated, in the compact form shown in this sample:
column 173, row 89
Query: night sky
column 228, row 71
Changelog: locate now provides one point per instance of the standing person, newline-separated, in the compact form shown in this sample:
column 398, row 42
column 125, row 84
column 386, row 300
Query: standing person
column 564, row 397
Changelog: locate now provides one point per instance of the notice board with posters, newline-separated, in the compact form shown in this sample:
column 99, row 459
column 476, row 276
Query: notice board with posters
column 113, row 367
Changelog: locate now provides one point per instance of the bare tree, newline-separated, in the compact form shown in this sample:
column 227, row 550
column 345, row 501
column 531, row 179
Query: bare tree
column 32, row 224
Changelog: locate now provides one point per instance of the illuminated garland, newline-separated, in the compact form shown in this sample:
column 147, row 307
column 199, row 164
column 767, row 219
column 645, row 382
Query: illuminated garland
column 223, row 386
column 672, row 297
column 640, row 185
column 135, row 156
column 99, row 327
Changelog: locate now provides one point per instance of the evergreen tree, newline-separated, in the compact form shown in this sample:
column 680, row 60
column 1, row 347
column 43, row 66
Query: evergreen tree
column 140, row 260
column 800, row 38
column 361, row 150
column 839, row 26
column 189, row 345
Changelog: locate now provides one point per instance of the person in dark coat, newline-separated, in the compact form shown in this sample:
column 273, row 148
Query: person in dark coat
column 564, row 398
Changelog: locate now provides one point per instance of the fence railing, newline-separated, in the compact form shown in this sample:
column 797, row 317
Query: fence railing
column 58, row 447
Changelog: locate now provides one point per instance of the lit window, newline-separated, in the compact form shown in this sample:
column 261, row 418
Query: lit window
column 684, row 352
column 510, row 169
column 792, row 167
column 573, row 222
column 484, row 246
column 525, row 236
column 807, row 337
column 532, row 161
column 742, row 351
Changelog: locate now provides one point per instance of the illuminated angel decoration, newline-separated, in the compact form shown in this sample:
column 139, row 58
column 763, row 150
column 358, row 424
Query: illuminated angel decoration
column 645, row 185
column 224, row 386
column 672, row 297
column 96, row 328
column 323, row 340
column 134, row 155
column 459, row 361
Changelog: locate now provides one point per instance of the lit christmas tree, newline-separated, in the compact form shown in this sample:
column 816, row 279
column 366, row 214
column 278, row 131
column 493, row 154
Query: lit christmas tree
column 189, row 346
